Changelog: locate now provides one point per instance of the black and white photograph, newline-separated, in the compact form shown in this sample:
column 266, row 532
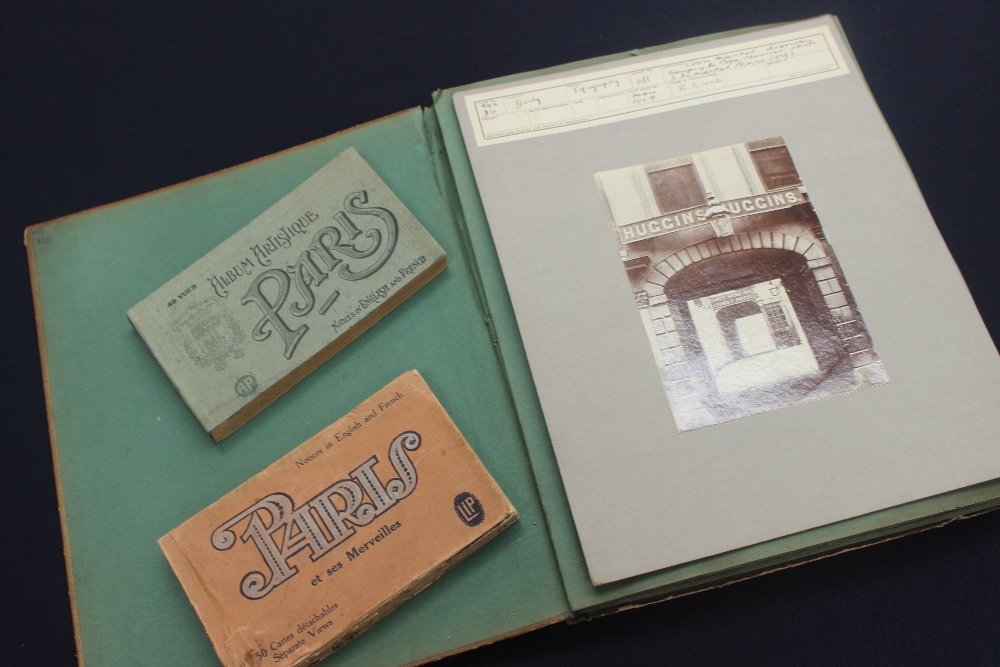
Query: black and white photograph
column 743, row 301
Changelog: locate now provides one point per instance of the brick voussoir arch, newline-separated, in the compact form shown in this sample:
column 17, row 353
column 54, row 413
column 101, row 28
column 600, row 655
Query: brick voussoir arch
column 812, row 251
column 830, row 287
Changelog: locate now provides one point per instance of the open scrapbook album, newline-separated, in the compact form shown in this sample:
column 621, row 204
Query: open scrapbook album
column 697, row 323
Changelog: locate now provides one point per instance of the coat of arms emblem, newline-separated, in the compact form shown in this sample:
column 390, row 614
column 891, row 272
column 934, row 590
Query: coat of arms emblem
column 211, row 335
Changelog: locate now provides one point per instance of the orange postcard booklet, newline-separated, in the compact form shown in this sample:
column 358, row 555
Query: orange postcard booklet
column 334, row 535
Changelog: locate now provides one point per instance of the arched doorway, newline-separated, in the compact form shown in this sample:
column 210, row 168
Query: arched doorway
column 756, row 332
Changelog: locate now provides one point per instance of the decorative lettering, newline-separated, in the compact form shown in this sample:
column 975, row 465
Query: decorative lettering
column 279, row 530
column 272, row 320
column 644, row 229
column 332, row 248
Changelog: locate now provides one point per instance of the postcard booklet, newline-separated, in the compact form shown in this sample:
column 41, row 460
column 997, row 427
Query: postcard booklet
column 696, row 324
column 275, row 300
column 338, row 532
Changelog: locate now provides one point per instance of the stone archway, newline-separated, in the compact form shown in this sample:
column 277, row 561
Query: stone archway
column 842, row 333
column 812, row 251
column 827, row 277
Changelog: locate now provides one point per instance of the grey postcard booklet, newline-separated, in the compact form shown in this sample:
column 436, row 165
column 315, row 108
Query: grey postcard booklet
column 698, row 324
column 255, row 315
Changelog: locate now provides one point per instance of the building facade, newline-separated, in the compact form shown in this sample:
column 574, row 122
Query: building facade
column 744, row 303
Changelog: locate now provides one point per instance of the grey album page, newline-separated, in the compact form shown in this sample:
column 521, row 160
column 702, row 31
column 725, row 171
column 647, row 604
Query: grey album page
column 740, row 317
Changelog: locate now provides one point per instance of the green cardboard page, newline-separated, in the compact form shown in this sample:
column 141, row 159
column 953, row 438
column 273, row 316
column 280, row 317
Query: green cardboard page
column 132, row 462
column 586, row 599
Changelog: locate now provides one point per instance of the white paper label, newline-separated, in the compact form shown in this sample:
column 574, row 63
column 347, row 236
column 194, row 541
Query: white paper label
column 655, row 85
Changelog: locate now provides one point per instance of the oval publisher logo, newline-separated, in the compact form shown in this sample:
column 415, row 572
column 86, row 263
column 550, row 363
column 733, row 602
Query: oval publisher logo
column 469, row 509
column 246, row 386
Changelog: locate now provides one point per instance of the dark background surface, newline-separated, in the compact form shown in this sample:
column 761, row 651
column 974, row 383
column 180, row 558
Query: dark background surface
column 102, row 103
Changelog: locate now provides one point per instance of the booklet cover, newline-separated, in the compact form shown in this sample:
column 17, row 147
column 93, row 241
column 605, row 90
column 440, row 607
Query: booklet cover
column 258, row 313
column 330, row 538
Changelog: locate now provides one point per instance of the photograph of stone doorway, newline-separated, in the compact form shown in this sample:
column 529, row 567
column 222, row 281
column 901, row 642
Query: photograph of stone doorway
column 744, row 303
